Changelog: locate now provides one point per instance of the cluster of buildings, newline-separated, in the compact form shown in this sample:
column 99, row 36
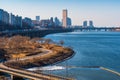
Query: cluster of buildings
column 66, row 21
column 13, row 20
column 54, row 22
column 18, row 21
column 88, row 25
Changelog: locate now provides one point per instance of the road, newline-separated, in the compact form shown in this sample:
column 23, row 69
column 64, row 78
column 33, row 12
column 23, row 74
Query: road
column 30, row 74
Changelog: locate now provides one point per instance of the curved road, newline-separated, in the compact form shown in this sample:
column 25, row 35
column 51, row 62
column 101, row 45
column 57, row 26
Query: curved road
column 30, row 74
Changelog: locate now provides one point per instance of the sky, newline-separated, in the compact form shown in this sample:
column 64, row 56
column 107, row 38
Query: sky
column 101, row 12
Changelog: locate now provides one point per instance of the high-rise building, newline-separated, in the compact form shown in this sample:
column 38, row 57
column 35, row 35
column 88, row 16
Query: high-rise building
column 84, row 23
column 51, row 23
column 18, row 21
column 51, row 19
column 12, row 20
column 1, row 15
column 37, row 21
column 15, row 20
column 91, row 24
column 4, row 16
column 64, row 20
column 27, row 22
column 69, row 22
column 57, row 22
column 37, row 18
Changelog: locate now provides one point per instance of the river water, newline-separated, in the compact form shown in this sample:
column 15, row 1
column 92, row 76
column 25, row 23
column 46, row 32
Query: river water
column 92, row 49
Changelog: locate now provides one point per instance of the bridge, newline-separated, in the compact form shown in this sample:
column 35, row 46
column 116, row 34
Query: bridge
column 96, row 29
column 28, row 74
column 44, row 32
column 31, row 75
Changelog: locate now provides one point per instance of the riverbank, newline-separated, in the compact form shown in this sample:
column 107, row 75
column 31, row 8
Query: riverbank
column 43, row 60
column 32, row 53
column 35, row 32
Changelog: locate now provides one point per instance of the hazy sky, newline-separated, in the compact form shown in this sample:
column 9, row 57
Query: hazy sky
column 102, row 12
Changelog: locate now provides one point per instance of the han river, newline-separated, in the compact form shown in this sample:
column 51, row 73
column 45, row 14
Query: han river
column 92, row 49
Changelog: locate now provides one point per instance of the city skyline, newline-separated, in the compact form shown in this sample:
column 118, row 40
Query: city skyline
column 102, row 13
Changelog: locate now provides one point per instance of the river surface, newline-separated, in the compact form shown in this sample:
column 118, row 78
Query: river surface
column 92, row 49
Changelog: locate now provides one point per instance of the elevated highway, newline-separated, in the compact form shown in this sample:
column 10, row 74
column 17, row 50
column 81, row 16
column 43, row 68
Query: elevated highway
column 28, row 74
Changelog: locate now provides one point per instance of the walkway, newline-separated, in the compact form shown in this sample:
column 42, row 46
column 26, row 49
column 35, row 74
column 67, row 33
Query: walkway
column 30, row 74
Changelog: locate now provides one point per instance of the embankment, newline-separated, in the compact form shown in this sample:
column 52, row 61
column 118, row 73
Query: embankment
column 34, row 33
column 56, row 54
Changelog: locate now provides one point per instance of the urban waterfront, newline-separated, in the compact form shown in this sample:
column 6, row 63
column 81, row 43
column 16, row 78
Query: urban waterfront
column 59, row 40
column 92, row 49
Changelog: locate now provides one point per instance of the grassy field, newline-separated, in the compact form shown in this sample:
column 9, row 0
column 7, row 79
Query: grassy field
column 18, row 47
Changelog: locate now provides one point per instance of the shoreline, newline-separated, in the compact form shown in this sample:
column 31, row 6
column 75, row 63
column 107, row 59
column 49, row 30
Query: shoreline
column 34, row 33
column 54, row 54
column 51, row 58
column 31, row 50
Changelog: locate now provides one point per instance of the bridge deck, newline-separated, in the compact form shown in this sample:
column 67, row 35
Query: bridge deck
column 30, row 75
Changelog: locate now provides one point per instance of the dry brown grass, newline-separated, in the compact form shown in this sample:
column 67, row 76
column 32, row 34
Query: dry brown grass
column 59, row 53
column 19, row 55
column 20, row 47
column 3, row 78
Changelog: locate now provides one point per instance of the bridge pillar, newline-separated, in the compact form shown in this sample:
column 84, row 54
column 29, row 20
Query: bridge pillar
column 11, row 76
